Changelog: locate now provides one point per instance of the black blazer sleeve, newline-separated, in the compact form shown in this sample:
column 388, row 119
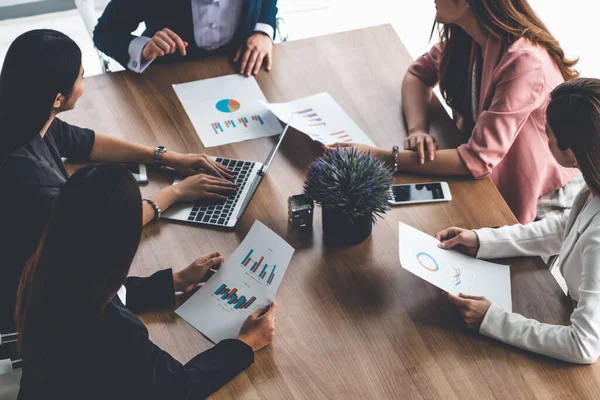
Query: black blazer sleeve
column 268, row 14
column 154, row 292
column 166, row 378
column 153, row 372
column 112, row 34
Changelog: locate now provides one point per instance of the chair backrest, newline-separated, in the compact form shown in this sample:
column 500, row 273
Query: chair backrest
column 10, row 368
column 87, row 10
column 9, row 359
column 9, row 385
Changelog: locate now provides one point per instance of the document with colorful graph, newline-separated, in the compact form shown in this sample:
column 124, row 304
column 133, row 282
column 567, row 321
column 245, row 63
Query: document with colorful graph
column 452, row 271
column 227, row 110
column 322, row 119
column 246, row 282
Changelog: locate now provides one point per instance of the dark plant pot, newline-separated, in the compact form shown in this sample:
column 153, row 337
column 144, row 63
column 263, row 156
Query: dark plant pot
column 339, row 229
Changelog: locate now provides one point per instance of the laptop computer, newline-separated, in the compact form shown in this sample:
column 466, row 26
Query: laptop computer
column 246, row 174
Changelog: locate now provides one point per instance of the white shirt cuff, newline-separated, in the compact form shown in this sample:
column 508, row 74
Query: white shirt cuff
column 265, row 28
column 136, row 47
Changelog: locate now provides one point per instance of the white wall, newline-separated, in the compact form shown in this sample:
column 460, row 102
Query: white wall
column 574, row 23
column 13, row 2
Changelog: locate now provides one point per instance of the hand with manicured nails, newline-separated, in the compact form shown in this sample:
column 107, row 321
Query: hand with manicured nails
column 258, row 48
column 197, row 272
column 202, row 186
column 164, row 42
column 462, row 240
column 472, row 308
column 258, row 331
column 419, row 142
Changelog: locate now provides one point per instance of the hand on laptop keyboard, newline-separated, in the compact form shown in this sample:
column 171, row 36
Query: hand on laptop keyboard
column 192, row 164
column 220, row 214
column 204, row 186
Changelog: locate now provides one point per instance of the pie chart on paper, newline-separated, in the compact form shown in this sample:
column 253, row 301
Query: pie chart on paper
column 228, row 105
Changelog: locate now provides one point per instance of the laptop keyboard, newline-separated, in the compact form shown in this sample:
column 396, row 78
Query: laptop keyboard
column 220, row 213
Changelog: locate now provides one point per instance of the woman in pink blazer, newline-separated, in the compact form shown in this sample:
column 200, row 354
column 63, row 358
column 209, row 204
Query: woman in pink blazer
column 496, row 65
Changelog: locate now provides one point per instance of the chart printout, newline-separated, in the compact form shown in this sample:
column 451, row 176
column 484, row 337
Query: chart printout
column 227, row 109
column 246, row 282
column 452, row 271
column 322, row 119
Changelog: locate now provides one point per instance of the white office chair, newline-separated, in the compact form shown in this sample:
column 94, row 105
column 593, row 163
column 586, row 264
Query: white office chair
column 10, row 369
column 282, row 33
column 87, row 11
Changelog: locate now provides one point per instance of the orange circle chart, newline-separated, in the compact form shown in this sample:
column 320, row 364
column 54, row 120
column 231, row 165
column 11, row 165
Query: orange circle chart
column 228, row 105
column 433, row 268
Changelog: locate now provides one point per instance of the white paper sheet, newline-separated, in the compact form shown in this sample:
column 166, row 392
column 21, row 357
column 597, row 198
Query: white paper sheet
column 452, row 271
column 227, row 110
column 322, row 119
column 246, row 282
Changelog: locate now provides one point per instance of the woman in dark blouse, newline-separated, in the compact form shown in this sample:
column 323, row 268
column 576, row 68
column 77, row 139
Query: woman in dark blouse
column 41, row 77
column 76, row 338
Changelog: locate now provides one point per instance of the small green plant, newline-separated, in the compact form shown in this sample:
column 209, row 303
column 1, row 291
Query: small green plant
column 351, row 181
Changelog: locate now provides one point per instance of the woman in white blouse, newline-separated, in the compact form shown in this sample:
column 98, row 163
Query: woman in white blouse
column 573, row 127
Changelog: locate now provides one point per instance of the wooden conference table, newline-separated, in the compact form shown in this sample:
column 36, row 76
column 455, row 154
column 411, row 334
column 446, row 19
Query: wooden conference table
column 352, row 323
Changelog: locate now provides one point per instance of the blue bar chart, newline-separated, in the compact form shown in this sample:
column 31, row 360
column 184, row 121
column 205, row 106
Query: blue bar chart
column 233, row 298
column 254, row 266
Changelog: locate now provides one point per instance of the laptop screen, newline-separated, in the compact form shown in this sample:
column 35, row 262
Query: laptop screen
column 271, row 155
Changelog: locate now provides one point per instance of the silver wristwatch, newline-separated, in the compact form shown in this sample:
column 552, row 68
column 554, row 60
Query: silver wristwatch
column 158, row 152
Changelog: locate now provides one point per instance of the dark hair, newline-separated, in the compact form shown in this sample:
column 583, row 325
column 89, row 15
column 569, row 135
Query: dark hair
column 39, row 65
column 504, row 19
column 83, row 258
column 573, row 115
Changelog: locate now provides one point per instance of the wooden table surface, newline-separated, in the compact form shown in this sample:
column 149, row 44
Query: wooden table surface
column 352, row 323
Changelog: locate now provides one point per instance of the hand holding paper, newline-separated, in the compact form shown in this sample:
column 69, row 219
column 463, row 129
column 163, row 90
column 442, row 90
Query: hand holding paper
column 452, row 271
column 245, row 283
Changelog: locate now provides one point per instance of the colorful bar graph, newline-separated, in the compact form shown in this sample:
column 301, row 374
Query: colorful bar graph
column 247, row 259
column 222, row 126
column 255, row 265
column 272, row 275
column 304, row 111
column 231, row 297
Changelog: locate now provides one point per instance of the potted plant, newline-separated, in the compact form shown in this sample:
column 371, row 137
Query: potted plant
column 353, row 190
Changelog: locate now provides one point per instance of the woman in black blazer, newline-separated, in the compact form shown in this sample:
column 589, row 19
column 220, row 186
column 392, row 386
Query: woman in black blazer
column 77, row 339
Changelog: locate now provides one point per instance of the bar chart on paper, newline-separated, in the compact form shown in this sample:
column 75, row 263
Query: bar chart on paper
column 322, row 119
column 313, row 119
column 227, row 110
column 260, row 270
column 233, row 298
column 238, row 125
column 246, row 282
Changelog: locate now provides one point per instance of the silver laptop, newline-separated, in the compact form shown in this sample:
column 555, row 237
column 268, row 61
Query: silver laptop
column 246, row 174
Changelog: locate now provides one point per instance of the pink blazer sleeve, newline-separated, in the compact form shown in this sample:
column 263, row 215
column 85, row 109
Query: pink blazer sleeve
column 427, row 67
column 519, row 90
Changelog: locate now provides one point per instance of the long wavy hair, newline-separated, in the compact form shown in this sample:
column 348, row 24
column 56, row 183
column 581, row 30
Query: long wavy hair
column 83, row 258
column 508, row 20
column 38, row 66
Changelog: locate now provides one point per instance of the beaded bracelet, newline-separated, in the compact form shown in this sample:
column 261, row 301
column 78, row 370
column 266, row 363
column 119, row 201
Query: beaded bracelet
column 155, row 207
column 395, row 151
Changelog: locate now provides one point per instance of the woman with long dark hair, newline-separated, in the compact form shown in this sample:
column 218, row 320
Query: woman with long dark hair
column 41, row 77
column 77, row 339
column 495, row 65
column 574, row 133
